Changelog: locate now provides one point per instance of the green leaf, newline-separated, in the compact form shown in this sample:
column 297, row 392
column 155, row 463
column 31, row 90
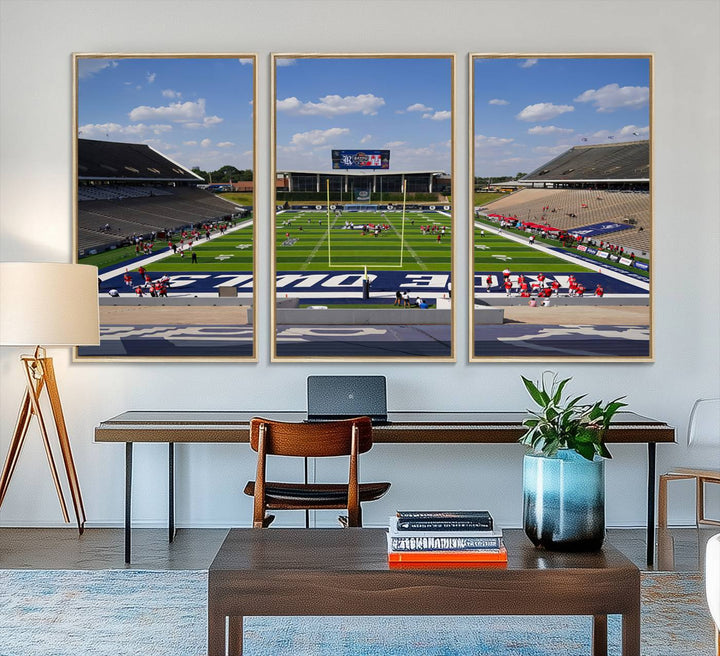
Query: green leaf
column 534, row 392
column 586, row 451
column 558, row 393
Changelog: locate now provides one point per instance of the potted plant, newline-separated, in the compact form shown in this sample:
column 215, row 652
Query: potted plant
column 564, row 468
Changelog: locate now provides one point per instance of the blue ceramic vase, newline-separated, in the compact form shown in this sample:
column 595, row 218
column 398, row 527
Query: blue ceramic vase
column 564, row 501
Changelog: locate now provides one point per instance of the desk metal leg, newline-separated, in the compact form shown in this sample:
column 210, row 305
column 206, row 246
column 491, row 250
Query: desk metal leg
column 651, row 505
column 171, row 491
column 128, row 497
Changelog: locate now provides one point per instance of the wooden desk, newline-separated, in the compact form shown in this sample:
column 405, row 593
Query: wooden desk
column 278, row 572
column 207, row 426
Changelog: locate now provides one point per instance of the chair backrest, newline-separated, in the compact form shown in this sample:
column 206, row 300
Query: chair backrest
column 704, row 423
column 312, row 439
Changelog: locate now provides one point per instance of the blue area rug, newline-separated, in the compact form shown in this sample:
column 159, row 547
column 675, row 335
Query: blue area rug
column 148, row 613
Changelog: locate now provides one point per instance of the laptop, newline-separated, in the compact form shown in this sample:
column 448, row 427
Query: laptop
column 342, row 397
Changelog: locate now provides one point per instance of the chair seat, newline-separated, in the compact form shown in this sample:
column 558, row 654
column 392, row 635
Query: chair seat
column 298, row 495
column 713, row 474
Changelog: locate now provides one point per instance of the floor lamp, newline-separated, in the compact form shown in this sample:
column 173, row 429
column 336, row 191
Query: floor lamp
column 46, row 304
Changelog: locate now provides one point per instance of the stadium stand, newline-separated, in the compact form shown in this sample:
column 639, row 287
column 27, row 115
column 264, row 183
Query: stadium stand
column 130, row 190
column 587, row 185
column 622, row 165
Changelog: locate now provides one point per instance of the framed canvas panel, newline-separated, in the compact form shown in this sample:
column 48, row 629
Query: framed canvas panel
column 561, row 199
column 363, row 224
column 164, row 198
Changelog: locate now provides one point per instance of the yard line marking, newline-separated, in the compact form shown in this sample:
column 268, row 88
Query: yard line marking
column 410, row 249
column 317, row 246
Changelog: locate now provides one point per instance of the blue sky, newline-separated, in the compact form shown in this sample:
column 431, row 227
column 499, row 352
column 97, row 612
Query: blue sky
column 529, row 110
column 401, row 104
column 197, row 111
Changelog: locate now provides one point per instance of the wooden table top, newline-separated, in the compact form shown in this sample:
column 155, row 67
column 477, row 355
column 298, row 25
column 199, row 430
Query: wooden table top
column 214, row 426
column 365, row 549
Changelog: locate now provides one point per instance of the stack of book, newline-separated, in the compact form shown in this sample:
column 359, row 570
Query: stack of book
column 438, row 537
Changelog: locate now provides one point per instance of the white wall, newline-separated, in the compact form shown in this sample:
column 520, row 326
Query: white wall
column 38, row 37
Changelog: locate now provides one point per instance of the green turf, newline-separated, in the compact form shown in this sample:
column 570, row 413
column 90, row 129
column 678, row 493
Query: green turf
column 526, row 259
column 492, row 250
column 241, row 260
column 483, row 198
column 350, row 249
column 240, row 199
column 109, row 258
column 219, row 254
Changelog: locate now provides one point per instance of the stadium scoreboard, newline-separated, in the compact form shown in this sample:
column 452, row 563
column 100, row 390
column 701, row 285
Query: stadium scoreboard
column 361, row 159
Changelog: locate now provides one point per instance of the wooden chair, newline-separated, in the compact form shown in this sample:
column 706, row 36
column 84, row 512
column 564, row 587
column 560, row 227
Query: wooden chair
column 703, row 429
column 349, row 437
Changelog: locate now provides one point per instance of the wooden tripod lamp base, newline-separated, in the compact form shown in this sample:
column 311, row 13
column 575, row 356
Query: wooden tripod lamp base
column 54, row 304
column 40, row 375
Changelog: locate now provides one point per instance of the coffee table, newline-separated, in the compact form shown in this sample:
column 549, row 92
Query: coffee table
column 275, row 572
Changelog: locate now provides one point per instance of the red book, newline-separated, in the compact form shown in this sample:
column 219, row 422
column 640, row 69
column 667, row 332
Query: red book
column 449, row 557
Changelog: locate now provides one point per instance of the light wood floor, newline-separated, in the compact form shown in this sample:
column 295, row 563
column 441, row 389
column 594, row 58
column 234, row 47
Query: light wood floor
column 680, row 549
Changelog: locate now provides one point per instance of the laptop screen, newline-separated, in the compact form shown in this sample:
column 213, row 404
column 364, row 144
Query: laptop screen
column 340, row 397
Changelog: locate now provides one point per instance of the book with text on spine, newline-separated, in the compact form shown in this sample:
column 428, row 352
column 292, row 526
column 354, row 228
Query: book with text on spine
column 449, row 557
column 467, row 564
column 443, row 542
column 443, row 520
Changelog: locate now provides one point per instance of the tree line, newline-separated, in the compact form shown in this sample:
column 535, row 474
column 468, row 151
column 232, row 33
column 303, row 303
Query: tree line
column 225, row 173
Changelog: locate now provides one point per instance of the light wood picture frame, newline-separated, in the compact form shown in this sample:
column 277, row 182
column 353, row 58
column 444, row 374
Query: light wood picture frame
column 164, row 159
column 561, row 207
column 363, row 231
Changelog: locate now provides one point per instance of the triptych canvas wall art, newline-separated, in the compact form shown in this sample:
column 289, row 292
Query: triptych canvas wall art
column 363, row 199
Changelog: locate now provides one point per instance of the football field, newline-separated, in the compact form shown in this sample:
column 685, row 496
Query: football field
column 232, row 251
column 495, row 252
column 305, row 243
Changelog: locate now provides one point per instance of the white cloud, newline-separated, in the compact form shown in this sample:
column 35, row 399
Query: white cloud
column 394, row 144
column 543, row 111
column 482, row 140
column 150, row 77
column 419, row 107
column 246, row 61
column 443, row 115
column 205, row 143
column 285, row 62
column 169, row 93
column 192, row 114
column 366, row 138
column 626, row 133
column 635, row 131
column 483, row 143
column 225, row 144
column 89, row 67
column 179, row 112
column 317, row 137
column 552, row 150
column 333, row 105
column 207, row 122
column 498, row 101
column 120, row 132
column 528, row 63
column 549, row 129
column 189, row 143
column 613, row 96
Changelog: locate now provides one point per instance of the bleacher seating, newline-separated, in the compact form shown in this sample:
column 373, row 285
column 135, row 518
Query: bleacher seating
column 628, row 208
column 629, row 161
column 118, row 192
column 105, row 222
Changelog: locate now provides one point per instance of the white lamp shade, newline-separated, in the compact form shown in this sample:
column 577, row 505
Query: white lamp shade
column 48, row 304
